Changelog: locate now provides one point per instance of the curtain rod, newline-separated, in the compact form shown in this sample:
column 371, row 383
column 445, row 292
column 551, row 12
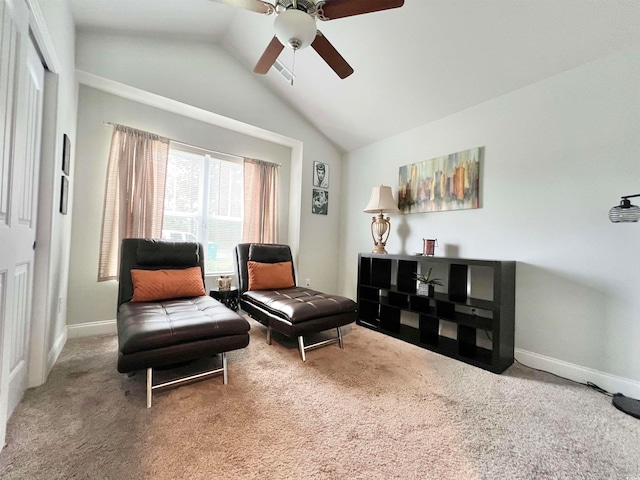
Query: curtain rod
column 196, row 147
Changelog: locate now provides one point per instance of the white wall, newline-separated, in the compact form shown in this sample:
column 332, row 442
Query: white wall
column 91, row 301
column 558, row 155
column 205, row 76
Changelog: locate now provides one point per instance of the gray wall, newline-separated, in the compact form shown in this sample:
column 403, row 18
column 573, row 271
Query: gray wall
column 558, row 155
column 205, row 76
column 89, row 300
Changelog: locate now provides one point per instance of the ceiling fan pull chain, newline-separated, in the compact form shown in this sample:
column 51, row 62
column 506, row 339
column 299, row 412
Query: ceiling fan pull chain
column 293, row 67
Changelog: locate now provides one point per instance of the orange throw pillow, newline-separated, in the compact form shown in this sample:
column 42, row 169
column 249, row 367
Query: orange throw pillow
column 154, row 285
column 269, row 276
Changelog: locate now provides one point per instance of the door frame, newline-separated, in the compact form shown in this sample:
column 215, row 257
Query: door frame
column 45, row 309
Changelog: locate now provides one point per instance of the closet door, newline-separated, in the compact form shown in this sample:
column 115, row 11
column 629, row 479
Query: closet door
column 21, row 88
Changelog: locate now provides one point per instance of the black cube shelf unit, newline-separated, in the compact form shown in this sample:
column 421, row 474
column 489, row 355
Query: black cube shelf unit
column 471, row 318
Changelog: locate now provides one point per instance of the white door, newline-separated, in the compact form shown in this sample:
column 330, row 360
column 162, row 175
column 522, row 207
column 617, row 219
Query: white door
column 21, row 88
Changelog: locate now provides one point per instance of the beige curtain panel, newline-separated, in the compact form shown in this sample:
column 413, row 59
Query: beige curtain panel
column 134, row 193
column 260, row 202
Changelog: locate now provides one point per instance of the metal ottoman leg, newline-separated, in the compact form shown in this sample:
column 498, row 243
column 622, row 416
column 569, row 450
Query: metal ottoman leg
column 301, row 347
column 149, row 386
column 179, row 381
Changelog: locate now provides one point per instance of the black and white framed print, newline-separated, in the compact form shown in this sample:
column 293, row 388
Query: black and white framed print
column 320, row 202
column 320, row 174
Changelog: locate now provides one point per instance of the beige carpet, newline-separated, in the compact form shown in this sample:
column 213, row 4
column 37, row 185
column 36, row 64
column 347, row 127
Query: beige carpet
column 380, row 409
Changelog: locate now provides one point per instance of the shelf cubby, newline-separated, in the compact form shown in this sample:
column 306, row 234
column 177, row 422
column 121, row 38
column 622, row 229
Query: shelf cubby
column 381, row 272
column 398, row 299
column 429, row 330
column 389, row 318
column 368, row 311
column 406, row 280
column 368, row 293
column 420, row 304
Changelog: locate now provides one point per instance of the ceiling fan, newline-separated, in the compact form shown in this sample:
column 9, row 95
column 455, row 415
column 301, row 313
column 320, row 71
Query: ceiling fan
column 295, row 26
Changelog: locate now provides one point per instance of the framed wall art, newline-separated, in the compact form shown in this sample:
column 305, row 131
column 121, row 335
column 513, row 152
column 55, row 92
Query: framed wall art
column 450, row 182
column 320, row 202
column 320, row 175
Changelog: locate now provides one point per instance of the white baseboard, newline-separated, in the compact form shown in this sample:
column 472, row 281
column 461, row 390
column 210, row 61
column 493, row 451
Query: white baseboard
column 92, row 328
column 577, row 373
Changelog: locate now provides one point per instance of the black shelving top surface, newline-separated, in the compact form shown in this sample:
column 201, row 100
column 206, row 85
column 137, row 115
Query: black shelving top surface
column 428, row 258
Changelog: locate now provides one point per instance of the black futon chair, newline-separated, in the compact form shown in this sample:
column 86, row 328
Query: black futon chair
column 170, row 331
column 293, row 311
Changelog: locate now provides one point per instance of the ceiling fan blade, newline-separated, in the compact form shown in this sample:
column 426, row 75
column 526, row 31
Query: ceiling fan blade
column 254, row 5
column 333, row 9
column 330, row 55
column 269, row 56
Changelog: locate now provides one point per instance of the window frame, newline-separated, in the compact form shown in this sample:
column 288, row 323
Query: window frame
column 202, row 216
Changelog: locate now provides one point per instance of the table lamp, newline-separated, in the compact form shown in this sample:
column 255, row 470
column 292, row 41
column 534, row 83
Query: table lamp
column 381, row 201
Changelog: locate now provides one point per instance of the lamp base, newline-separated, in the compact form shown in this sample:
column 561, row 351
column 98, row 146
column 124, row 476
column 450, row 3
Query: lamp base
column 379, row 227
column 379, row 249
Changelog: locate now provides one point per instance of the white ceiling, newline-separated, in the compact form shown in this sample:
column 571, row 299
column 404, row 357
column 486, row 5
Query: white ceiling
column 413, row 65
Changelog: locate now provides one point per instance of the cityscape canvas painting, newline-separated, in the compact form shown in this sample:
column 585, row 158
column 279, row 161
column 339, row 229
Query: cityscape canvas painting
column 450, row 182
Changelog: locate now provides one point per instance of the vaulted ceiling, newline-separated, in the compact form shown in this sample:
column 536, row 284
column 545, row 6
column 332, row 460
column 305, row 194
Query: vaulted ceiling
column 413, row 65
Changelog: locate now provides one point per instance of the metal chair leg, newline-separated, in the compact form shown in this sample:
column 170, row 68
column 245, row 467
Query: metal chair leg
column 340, row 342
column 149, row 386
column 225, row 373
column 269, row 335
column 301, row 348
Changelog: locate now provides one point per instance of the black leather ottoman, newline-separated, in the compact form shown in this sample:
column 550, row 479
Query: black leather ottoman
column 167, row 332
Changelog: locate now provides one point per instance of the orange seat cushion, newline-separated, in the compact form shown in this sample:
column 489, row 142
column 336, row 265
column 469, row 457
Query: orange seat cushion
column 270, row 276
column 154, row 285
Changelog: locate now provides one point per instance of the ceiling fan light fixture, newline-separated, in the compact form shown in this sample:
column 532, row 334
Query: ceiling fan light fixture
column 295, row 28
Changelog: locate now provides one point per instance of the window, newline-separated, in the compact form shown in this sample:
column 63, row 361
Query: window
column 204, row 202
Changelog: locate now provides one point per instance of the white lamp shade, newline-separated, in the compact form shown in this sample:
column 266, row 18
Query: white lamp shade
column 381, row 201
column 295, row 28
